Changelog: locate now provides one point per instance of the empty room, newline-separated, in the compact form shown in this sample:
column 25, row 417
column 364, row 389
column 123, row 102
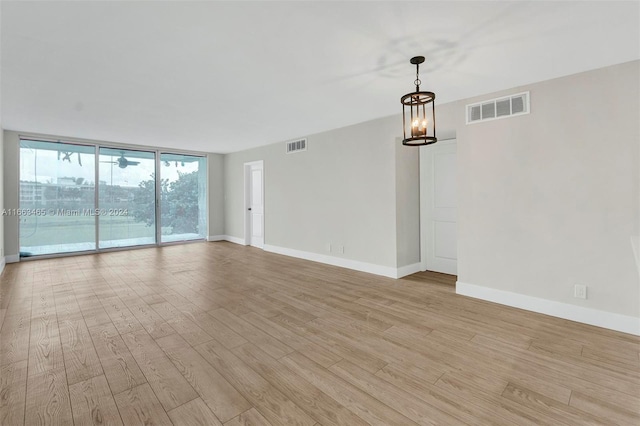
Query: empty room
column 319, row 213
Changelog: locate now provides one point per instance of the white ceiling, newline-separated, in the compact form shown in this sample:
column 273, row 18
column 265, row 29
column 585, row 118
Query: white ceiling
column 226, row 76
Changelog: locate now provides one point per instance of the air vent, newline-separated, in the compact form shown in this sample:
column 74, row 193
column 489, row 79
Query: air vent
column 296, row 146
column 493, row 109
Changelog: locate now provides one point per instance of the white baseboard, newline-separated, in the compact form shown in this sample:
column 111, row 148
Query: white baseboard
column 623, row 323
column 235, row 240
column 385, row 271
column 371, row 268
column 403, row 271
column 13, row 258
column 229, row 238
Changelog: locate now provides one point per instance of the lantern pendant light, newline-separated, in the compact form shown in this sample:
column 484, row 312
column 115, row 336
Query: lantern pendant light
column 418, row 113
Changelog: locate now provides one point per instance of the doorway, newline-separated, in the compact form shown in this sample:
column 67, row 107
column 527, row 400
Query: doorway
column 438, row 208
column 254, row 203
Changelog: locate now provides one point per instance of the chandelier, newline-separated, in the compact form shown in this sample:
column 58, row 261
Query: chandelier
column 418, row 113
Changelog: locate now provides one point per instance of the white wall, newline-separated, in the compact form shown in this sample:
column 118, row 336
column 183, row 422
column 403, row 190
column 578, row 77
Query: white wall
column 407, row 203
column 2, row 255
column 11, row 185
column 551, row 199
column 215, row 166
column 341, row 191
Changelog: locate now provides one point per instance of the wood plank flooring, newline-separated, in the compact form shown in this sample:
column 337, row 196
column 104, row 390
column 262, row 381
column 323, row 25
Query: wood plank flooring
column 221, row 334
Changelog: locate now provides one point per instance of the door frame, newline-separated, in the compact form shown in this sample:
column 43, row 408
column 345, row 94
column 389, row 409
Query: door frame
column 247, row 200
column 426, row 198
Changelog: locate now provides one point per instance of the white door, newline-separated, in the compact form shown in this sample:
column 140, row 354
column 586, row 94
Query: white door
column 254, row 228
column 438, row 207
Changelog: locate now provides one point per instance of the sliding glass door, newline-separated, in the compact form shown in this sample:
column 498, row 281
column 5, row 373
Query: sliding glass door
column 127, row 198
column 183, row 197
column 57, row 198
column 134, row 198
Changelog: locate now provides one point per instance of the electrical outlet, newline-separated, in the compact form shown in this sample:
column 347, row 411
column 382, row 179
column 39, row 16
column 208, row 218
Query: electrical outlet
column 340, row 249
column 580, row 291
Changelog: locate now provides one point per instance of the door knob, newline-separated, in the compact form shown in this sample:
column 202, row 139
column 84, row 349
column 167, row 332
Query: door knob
column 249, row 208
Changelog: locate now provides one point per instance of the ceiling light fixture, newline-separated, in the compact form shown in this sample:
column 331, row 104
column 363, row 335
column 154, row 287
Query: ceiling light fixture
column 418, row 113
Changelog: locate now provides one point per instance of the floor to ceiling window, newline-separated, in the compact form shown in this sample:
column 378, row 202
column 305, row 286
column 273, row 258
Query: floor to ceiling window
column 133, row 198
column 184, row 197
column 126, row 198
column 57, row 196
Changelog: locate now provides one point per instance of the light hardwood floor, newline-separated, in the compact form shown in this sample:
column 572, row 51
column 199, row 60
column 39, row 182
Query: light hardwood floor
column 220, row 334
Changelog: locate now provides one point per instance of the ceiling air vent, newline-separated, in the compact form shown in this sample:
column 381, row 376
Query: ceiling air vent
column 296, row 146
column 493, row 109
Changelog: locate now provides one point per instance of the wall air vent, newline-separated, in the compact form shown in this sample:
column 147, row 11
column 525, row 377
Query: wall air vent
column 297, row 146
column 493, row 109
